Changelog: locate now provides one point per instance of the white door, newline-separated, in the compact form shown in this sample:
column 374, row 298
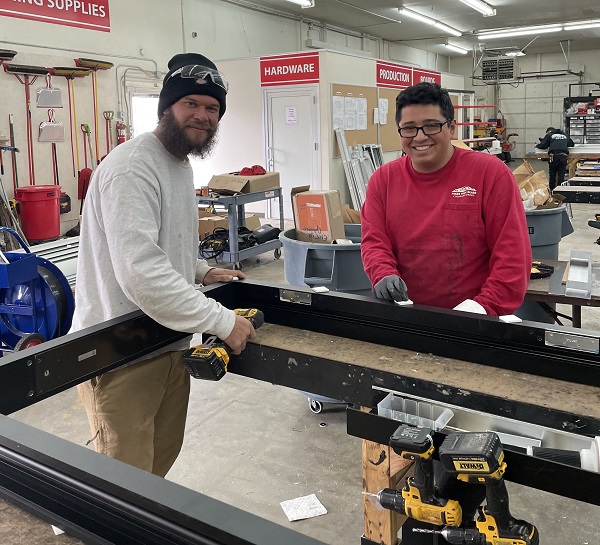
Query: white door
column 292, row 131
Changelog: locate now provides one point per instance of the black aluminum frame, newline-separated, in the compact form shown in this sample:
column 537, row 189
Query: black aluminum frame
column 61, row 481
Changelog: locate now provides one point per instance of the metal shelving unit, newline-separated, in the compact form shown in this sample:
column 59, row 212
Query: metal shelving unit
column 235, row 206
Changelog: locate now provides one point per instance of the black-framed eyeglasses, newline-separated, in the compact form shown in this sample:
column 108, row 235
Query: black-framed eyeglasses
column 428, row 130
column 201, row 74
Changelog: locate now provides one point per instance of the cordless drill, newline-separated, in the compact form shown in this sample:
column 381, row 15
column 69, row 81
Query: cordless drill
column 418, row 499
column 478, row 458
column 209, row 360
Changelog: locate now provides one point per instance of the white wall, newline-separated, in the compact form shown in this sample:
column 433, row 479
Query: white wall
column 144, row 35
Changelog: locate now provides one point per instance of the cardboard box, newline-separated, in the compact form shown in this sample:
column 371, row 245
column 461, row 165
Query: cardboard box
column 207, row 223
column 317, row 215
column 536, row 188
column 230, row 184
column 350, row 215
column 460, row 144
column 252, row 221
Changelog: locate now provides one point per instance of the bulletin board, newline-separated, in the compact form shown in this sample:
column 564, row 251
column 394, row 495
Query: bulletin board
column 355, row 137
column 388, row 133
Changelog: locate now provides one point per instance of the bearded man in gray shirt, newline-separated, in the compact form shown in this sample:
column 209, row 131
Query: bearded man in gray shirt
column 138, row 249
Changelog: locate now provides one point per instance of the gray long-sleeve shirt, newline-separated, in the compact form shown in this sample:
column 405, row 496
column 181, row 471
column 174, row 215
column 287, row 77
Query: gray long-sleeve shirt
column 138, row 247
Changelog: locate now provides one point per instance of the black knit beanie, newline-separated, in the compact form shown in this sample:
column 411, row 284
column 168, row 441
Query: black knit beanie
column 177, row 87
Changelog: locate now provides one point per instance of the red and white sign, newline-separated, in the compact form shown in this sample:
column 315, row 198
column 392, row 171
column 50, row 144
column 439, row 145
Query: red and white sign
column 426, row 75
column 93, row 14
column 289, row 69
column 394, row 75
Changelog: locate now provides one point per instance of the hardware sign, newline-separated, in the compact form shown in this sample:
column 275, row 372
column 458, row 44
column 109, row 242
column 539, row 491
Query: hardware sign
column 289, row 69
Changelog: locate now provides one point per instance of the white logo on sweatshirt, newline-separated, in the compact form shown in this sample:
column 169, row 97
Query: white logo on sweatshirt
column 465, row 191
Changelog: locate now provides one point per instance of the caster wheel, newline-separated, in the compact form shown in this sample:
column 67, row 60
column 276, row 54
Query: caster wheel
column 238, row 266
column 315, row 406
column 29, row 340
column 277, row 253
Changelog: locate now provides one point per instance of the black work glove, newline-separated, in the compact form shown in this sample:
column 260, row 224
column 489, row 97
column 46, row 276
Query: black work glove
column 392, row 288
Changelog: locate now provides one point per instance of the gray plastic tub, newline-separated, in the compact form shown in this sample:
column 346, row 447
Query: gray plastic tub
column 338, row 267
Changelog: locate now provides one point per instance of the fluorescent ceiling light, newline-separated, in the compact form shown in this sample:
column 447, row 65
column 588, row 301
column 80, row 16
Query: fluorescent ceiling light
column 417, row 16
column 457, row 49
column 582, row 25
column 448, row 29
column 480, row 6
column 304, row 3
column 430, row 21
column 514, row 54
column 520, row 31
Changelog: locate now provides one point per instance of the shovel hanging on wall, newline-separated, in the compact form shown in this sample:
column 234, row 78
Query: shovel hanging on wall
column 51, row 130
column 48, row 97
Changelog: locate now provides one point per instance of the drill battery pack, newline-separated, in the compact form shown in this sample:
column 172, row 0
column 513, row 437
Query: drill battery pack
column 473, row 452
column 207, row 362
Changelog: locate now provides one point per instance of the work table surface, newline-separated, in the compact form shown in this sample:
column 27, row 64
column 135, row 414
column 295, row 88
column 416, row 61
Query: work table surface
column 540, row 391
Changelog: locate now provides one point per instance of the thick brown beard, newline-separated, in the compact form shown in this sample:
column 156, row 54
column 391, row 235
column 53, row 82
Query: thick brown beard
column 175, row 140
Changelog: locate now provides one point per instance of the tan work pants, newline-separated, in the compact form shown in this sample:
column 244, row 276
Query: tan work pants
column 137, row 414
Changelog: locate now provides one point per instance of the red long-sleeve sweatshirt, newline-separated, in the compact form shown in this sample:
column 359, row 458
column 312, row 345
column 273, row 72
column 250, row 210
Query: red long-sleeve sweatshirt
column 454, row 234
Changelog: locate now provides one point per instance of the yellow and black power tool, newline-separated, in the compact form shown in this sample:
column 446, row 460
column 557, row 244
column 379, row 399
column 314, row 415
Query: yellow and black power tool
column 478, row 458
column 418, row 499
column 209, row 360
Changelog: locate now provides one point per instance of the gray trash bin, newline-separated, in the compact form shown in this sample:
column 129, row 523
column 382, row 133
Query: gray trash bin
column 338, row 267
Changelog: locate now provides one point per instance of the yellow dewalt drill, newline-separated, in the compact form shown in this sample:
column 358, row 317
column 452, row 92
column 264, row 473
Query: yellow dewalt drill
column 418, row 499
column 209, row 360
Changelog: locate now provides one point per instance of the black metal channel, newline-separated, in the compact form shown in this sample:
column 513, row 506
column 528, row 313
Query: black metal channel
column 40, row 372
column 560, row 479
column 354, row 384
column 102, row 501
column 484, row 340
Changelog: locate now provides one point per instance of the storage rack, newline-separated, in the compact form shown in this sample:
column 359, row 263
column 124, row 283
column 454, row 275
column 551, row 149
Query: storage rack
column 583, row 128
column 235, row 205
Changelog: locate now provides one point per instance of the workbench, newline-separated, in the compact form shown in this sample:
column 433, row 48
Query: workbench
column 544, row 290
column 348, row 347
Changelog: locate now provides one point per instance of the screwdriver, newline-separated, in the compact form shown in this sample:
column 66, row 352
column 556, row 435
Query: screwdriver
column 457, row 536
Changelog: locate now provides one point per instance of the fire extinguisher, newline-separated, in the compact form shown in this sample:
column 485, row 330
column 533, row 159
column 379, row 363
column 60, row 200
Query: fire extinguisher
column 121, row 132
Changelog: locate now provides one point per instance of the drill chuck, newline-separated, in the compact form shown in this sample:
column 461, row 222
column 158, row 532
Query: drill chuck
column 457, row 536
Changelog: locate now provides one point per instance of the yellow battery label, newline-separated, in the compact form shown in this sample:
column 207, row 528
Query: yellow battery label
column 471, row 465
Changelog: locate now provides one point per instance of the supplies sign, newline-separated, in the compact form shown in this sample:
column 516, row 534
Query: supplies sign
column 92, row 14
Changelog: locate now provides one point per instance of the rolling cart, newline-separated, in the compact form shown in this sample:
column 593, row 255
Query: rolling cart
column 235, row 206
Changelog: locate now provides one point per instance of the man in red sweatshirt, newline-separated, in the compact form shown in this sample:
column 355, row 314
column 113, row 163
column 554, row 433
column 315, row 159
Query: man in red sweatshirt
column 441, row 225
column 446, row 227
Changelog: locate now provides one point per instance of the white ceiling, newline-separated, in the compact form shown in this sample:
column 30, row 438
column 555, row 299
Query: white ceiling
column 381, row 19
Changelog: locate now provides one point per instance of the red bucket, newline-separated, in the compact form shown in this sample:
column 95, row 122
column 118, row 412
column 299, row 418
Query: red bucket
column 40, row 211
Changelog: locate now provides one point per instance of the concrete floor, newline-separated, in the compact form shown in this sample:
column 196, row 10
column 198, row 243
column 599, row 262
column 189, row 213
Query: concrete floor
column 254, row 445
